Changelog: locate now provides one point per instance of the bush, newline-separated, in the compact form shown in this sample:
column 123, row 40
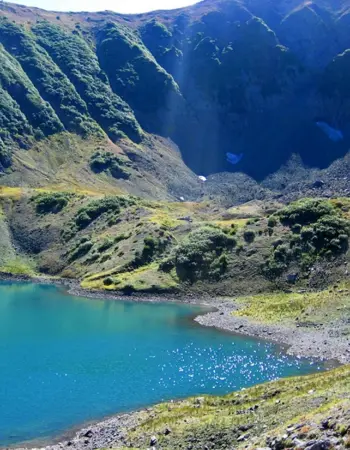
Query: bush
column 87, row 214
column 325, row 233
column 249, row 236
column 108, row 162
column 51, row 203
column 81, row 250
column 296, row 228
column 108, row 281
column 272, row 222
column 106, row 244
column 201, row 255
column 76, row 59
column 152, row 248
column 305, row 212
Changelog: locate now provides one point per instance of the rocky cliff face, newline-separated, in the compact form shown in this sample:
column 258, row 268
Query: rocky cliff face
column 222, row 76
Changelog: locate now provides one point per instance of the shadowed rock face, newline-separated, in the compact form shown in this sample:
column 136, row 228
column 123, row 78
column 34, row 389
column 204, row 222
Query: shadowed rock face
column 251, row 77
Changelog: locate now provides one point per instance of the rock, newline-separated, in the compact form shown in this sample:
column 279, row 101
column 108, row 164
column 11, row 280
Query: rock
column 88, row 434
column 318, row 184
column 246, row 427
column 242, row 438
column 318, row 445
column 292, row 278
column 153, row 441
column 299, row 443
column 325, row 424
column 199, row 401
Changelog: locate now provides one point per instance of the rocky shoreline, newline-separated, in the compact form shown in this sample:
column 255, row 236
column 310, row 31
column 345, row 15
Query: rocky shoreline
column 324, row 343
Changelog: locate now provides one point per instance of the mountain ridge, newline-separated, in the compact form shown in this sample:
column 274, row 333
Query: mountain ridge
column 215, row 77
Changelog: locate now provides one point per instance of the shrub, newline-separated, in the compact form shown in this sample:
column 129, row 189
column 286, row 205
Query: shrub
column 296, row 228
column 87, row 214
column 81, row 250
column 305, row 212
column 108, row 162
column 325, row 233
column 272, row 222
column 152, row 248
column 108, row 281
column 76, row 59
column 51, row 203
column 106, row 244
column 201, row 254
column 249, row 236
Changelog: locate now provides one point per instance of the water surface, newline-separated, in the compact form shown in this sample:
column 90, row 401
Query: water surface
column 65, row 360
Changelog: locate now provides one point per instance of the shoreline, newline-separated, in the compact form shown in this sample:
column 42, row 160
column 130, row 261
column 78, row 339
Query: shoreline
column 323, row 344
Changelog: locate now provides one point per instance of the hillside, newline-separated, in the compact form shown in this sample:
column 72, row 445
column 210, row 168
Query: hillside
column 220, row 76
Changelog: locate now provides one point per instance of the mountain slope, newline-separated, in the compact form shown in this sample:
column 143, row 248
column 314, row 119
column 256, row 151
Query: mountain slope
column 220, row 76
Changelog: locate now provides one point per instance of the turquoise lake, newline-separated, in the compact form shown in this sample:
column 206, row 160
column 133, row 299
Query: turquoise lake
column 65, row 360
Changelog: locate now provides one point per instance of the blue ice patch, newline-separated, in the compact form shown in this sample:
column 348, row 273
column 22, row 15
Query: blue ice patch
column 333, row 134
column 232, row 158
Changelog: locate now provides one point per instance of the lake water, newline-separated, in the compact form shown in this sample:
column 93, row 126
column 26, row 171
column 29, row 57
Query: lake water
column 65, row 360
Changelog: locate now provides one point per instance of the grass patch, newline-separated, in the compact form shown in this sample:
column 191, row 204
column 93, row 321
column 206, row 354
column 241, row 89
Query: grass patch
column 144, row 279
column 18, row 266
column 261, row 408
column 281, row 307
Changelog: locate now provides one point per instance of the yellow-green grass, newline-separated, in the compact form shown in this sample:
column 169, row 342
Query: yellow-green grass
column 18, row 266
column 269, row 406
column 281, row 307
column 236, row 223
column 145, row 278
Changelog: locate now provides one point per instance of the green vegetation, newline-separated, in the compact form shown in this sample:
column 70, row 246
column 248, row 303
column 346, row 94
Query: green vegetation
column 201, row 255
column 163, row 45
column 83, row 247
column 135, row 76
column 318, row 230
column 305, row 212
column 152, row 248
column 249, row 236
column 257, row 413
column 76, row 59
column 14, row 129
column 93, row 210
column 108, row 162
column 323, row 306
column 39, row 113
column 52, row 84
column 51, row 202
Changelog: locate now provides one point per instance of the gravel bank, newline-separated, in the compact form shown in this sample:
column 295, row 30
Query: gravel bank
column 321, row 341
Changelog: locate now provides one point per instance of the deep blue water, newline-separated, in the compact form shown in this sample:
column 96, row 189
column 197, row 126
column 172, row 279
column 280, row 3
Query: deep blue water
column 65, row 360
